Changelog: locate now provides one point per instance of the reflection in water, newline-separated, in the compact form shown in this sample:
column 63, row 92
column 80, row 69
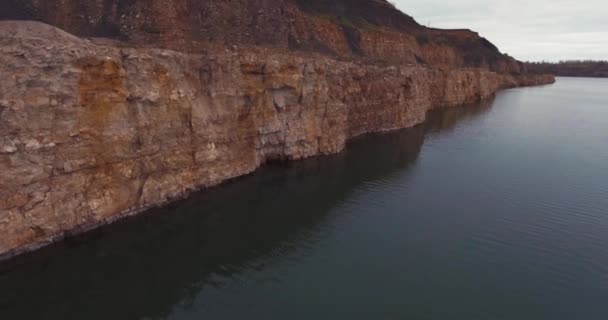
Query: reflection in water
column 146, row 266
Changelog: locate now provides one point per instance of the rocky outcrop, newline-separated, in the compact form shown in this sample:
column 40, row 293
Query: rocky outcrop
column 90, row 133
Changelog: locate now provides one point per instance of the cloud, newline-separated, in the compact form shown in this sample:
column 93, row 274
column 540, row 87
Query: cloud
column 529, row 30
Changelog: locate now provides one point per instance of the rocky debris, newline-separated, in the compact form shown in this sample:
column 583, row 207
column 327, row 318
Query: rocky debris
column 91, row 133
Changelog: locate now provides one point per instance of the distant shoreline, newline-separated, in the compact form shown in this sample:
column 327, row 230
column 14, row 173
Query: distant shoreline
column 589, row 77
column 580, row 68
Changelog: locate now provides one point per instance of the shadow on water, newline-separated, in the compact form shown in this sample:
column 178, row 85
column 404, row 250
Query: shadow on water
column 144, row 266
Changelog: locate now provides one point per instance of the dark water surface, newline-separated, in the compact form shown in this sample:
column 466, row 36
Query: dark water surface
column 495, row 211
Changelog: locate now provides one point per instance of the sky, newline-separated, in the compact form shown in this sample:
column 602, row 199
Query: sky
column 532, row 30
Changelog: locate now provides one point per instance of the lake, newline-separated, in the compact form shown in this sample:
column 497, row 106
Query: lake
column 498, row 210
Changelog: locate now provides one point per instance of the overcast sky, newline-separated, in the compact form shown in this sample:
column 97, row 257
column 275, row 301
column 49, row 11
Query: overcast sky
column 526, row 29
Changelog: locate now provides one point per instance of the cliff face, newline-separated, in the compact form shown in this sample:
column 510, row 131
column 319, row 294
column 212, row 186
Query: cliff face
column 369, row 29
column 92, row 130
column 91, row 133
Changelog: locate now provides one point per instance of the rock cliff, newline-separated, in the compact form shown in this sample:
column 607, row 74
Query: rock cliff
column 94, row 130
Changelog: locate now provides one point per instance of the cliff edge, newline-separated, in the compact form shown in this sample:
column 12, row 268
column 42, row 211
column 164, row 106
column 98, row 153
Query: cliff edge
column 92, row 130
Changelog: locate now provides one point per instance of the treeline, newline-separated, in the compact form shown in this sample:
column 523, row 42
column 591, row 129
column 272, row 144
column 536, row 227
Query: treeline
column 571, row 68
